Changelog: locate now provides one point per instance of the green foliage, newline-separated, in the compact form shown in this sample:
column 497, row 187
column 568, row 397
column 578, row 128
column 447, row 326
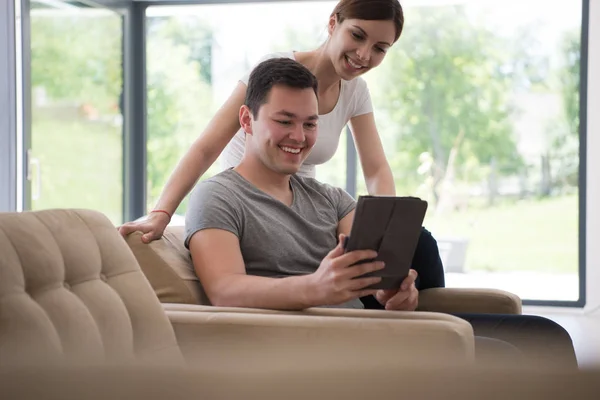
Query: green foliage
column 546, row 239
column 564, row 133
column 444, row 78
column 569, row 78
column 76, row 63
column 187, row 32
column 179, row 105
column 77, row 58
column 81, row 165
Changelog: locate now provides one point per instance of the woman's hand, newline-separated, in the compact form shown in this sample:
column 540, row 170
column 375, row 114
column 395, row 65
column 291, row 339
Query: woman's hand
column 152, row 228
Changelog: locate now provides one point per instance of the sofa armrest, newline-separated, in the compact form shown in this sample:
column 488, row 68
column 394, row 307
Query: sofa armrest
column 455, row 300
column 317, row 311
column 225, row 341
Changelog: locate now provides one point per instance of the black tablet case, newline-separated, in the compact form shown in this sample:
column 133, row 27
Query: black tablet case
column 391, row 226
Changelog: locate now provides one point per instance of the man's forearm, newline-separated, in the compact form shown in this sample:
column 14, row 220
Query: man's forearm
column 290, row 293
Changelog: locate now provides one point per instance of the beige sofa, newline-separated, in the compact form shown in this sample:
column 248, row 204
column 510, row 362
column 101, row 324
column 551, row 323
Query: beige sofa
column 72, row 290
column 78, row 320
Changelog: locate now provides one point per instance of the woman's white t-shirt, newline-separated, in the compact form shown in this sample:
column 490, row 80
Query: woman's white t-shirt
column 354, row 100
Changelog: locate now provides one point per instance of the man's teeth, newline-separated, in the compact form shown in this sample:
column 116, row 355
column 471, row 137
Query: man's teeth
column 290, row 150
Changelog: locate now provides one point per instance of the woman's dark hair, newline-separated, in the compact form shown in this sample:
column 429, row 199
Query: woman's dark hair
column 371, row 10
column 276, row 71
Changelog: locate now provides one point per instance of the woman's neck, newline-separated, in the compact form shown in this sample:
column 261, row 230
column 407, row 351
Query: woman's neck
column 319, row 63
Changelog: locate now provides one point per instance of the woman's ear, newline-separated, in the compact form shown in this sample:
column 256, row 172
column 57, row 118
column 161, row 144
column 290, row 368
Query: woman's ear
column 331, row 25
column 246, row 119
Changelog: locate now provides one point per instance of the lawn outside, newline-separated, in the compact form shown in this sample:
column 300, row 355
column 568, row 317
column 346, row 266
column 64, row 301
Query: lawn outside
column 533, row 235
column 80, row 165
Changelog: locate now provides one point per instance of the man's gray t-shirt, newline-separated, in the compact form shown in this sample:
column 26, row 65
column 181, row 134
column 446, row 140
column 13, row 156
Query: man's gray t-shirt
column 276, row 240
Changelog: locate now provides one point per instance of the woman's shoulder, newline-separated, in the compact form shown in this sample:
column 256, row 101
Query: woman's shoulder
column 355, row 86
column 356, row 97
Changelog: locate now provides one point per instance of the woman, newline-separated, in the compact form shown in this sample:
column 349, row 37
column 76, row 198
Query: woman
column 360, row 34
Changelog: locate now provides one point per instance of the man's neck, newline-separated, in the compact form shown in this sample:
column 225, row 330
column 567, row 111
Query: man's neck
column 273, row 183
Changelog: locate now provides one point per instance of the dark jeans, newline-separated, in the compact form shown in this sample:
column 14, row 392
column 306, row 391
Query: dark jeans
column 538, row 339
column 428, row 264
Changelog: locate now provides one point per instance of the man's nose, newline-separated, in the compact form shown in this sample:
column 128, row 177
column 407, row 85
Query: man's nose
column 297, row 133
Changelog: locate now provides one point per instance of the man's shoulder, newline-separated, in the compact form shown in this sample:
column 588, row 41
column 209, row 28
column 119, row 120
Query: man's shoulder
column 316, row 185
column 310, row 182
column 223, row 183
column 224, row 178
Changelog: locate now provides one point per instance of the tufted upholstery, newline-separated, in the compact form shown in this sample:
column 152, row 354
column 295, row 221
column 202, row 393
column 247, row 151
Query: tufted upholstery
column 167, row 265
column 71, row 289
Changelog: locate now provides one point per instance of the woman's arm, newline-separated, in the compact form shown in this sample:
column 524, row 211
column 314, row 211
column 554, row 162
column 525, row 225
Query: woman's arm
column 203, row 152
column 201, row 155
column 376, row 169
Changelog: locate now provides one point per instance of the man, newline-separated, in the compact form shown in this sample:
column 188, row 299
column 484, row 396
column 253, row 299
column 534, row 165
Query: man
column 263, row 237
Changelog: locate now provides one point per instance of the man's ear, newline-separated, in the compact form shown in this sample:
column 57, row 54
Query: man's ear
column 332, row 24
column 246, row 119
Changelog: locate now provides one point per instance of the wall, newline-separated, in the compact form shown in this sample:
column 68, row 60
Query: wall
column 593, row 162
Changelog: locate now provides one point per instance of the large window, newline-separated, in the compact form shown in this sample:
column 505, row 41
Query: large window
column 477, row 106
column 76, row 121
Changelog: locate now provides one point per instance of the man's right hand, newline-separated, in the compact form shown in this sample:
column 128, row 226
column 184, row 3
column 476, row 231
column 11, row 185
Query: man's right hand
column 152, row 227
column 337, row 281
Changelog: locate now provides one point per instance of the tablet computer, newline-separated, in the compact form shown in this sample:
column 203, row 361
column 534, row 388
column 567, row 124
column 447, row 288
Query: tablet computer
column 391, row 226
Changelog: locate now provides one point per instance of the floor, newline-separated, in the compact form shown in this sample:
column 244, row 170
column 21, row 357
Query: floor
column 584, row 331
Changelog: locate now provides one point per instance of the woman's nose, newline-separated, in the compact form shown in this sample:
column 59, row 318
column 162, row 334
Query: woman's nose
column 363, row 53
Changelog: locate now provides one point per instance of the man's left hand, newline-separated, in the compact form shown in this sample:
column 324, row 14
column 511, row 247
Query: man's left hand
column 406, row 298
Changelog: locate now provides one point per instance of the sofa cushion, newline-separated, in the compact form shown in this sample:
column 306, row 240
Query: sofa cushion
column 168, row 267
column 71, row 290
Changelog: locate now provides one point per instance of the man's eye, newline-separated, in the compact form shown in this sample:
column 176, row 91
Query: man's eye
column 282, row 122
column 310, row 125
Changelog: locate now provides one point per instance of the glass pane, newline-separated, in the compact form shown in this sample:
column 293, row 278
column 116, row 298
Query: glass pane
column 76, row 77
column 207, row 57
column 477, row 105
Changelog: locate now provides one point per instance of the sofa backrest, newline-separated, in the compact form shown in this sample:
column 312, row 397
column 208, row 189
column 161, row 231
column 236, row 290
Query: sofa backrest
column 168, row 267
column 70, row 289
